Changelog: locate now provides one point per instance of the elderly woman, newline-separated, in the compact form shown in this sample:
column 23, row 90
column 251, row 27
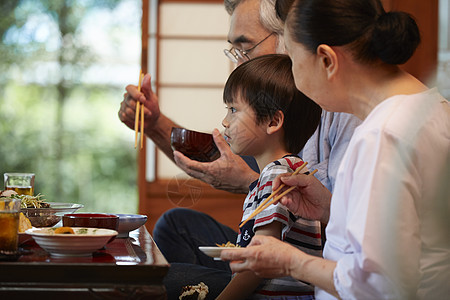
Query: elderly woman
column 384, row 236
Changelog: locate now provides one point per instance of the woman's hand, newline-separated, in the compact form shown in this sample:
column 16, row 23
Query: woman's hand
column 229, row 172
column 267, row 256
column 309, row 200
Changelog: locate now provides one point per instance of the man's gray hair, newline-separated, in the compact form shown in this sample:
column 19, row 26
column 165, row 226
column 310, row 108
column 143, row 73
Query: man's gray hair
column 267, row 17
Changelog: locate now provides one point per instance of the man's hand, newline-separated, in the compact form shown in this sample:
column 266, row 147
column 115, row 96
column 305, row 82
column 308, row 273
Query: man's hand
column 229, row 172
column 146, row 96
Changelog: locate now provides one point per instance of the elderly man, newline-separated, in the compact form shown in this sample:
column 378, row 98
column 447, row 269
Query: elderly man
column 254, row 30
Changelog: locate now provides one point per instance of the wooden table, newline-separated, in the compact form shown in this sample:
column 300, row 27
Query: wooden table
column 128, row 268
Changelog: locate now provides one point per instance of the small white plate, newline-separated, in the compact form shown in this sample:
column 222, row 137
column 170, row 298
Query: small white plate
column 84, row 242
column 215, row 251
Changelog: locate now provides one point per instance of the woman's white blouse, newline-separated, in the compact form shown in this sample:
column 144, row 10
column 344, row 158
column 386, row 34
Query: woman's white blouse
column 387, row 230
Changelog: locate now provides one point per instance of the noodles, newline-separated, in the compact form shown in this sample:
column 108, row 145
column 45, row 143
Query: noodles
column 228, row 244
column 32, row 201
column 26, row 201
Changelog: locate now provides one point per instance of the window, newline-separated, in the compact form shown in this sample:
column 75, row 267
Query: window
column 63, row 70
column 186, row 54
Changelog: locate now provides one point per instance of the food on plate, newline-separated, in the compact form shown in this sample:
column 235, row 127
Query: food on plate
column 198, row 291
column 24, row 223
column 7, row 193
column 40, row 212
column 228, row 244
column 64, row 230
column 85, row 231
column 70, row 230
column 33, row 201
column 26, row 201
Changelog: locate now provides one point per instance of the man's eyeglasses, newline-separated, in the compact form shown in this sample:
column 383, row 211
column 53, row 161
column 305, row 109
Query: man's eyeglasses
column 236, row 55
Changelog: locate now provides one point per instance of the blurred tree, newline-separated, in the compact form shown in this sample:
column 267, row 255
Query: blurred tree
column 52, row 123
column 7, row 19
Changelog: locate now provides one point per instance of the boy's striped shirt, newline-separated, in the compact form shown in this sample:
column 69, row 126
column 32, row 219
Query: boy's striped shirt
column 303, row 234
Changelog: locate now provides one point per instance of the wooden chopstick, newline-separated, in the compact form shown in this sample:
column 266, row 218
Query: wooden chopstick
column 285, row 192
column 278, row 197
column 136, row 125
column 142, row 125
column 260, row 207
column 136, row 117
column 277, row 190
column 265, row 204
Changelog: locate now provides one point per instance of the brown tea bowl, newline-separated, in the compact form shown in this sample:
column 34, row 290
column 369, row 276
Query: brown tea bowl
column 196, row 145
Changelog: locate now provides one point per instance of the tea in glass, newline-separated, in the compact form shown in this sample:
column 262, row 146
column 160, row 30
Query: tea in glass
column 21, row 183
column 9, row 225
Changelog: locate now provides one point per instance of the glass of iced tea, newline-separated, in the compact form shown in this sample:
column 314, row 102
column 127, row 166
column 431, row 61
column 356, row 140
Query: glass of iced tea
column 9, row 226
column 22, row 183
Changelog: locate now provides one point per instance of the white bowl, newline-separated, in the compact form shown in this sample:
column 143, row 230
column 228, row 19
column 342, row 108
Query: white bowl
column 129, row 222
column 84, row 242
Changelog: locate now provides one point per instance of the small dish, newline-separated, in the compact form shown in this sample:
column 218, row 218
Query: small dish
column 49, row 216
column 83, row 242
column 196, row 145
column 215, row 251
column 129, row 222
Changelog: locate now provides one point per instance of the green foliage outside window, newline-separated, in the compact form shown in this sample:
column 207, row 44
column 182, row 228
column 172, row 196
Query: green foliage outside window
column 58, row 117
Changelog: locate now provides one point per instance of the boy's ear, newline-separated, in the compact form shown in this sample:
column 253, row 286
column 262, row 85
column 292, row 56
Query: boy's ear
column 328, row 60
column 276, row 123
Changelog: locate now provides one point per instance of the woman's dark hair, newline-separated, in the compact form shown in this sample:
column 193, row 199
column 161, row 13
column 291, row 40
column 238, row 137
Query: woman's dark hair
column 266, row 83
column 282, row 8
column 363, row 26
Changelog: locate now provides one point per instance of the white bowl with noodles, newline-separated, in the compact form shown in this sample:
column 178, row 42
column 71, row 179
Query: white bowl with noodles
column 83, row 242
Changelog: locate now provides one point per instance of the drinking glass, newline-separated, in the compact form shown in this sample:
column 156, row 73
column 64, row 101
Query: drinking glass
column 22, row 183
column 9, row 226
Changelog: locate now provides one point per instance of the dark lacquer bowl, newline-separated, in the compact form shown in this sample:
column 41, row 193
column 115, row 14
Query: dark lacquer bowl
column 94, row 220
column 196, row 145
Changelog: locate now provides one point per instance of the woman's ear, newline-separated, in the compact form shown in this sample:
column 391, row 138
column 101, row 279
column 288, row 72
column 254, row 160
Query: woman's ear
column 276, row 123
column 328, row 60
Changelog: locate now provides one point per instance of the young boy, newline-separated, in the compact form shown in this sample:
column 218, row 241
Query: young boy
column 269, row 119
